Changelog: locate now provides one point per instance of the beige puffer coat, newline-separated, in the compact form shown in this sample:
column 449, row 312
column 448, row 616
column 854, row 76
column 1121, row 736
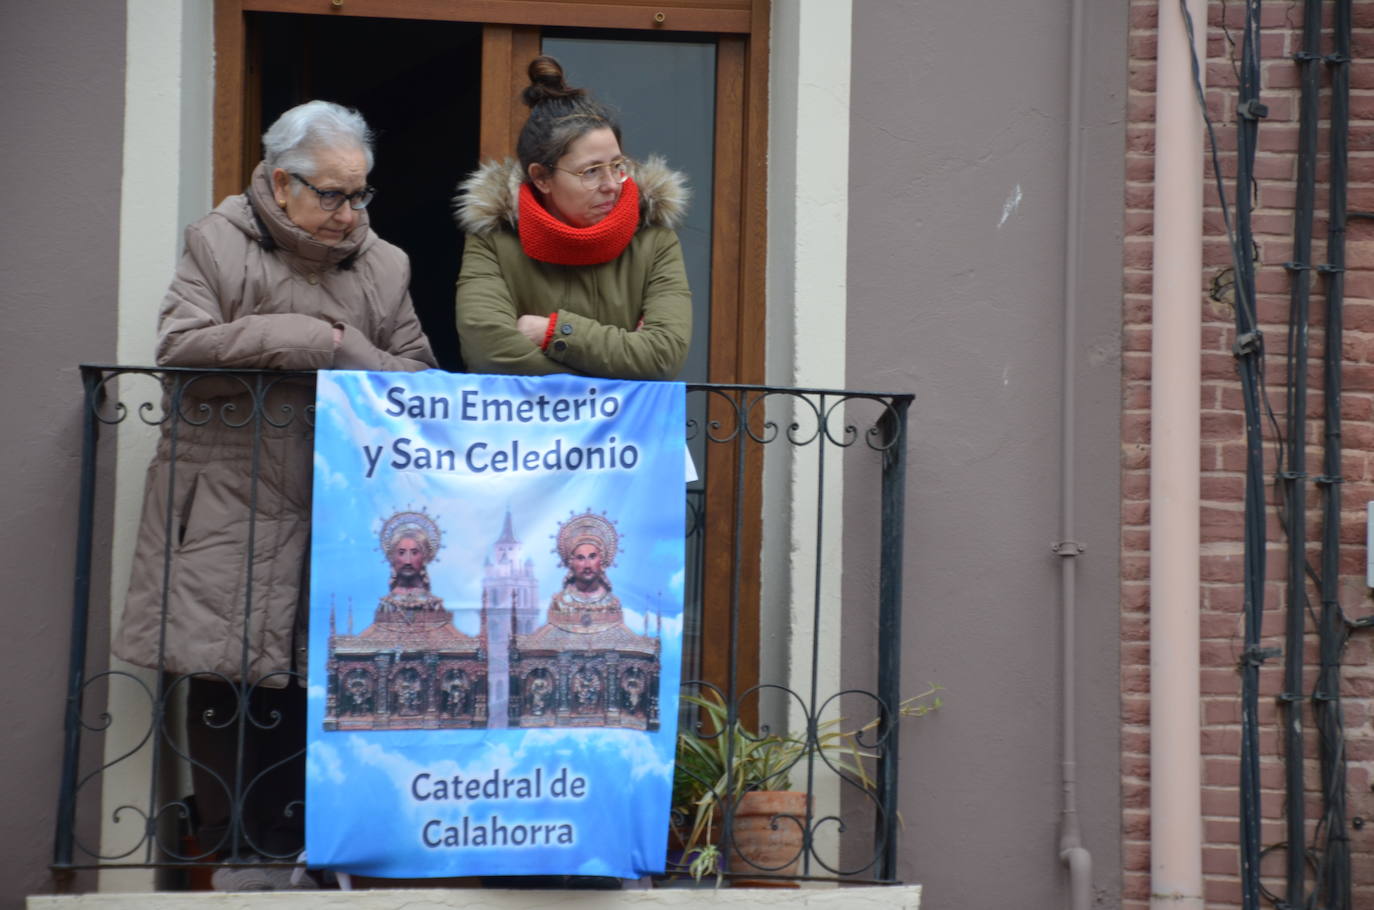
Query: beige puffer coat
column 630, row 318
column 249, row 299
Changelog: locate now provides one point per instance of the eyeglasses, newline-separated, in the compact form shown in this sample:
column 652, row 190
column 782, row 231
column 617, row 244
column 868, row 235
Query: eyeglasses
column 330, row 200
column 618, row 170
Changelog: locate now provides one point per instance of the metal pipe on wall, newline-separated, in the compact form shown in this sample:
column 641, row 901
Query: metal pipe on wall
column 1175, row 390
column 1071, row 850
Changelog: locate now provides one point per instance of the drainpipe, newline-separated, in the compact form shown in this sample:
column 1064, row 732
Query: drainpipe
column 1175, row 395
column 1071, row 849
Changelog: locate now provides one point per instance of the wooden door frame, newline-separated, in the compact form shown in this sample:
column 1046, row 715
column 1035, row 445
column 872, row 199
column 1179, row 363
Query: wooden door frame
column 510, row 39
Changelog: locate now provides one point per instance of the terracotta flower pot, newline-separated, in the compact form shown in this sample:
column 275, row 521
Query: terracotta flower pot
column 768, row 836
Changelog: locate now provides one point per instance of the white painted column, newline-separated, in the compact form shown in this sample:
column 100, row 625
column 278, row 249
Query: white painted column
column 1175, row 467
column 808, row 231
column 808, row 192
column 165, row 184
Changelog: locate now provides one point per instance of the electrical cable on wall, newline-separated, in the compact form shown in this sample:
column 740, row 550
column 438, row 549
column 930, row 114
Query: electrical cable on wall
column 1333, row 886
column 1328, row 858
column 1329, row 854
column 1249, row 353
column 1292, row 471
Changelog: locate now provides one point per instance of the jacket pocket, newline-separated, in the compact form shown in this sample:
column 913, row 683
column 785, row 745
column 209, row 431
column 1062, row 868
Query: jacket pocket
column 184, row 514
column 211, row 510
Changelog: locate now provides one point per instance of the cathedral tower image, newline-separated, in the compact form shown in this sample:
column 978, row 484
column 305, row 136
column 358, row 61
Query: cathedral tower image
column 510, row 598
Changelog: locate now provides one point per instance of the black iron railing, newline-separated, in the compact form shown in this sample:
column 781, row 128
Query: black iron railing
column 748, row 724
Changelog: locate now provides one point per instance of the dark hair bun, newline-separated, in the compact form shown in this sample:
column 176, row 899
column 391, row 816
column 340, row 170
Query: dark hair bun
column 547, row 83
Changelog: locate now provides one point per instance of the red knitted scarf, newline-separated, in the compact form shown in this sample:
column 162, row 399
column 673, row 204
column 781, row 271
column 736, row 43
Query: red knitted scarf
column 547, row 239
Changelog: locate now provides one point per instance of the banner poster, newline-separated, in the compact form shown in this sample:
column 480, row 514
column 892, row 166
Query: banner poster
column 495, row 624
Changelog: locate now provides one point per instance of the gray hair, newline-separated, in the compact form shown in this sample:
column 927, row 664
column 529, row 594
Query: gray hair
column 292, row 142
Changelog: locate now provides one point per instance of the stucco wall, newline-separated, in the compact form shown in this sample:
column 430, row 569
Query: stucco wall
column 958, row 150
column 62, row 66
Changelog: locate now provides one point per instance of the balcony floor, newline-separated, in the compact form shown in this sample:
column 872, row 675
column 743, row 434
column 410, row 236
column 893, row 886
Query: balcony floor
column 900, row 897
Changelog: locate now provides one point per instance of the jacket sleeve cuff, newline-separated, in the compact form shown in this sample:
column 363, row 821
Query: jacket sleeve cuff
column 567, row 329
column 355, row 352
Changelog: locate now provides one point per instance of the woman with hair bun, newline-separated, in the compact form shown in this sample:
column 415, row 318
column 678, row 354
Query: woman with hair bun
column 571, row 263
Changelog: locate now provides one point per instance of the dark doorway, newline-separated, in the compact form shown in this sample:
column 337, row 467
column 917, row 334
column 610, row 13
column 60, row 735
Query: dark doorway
column 418, row 83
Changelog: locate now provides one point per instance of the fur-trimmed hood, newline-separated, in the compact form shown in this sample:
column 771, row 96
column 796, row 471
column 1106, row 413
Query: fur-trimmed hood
column 488, row 199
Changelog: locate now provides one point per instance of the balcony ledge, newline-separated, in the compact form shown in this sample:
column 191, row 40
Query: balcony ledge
column 904, row 897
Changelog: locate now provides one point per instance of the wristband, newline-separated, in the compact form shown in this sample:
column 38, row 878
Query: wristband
column 548, row 333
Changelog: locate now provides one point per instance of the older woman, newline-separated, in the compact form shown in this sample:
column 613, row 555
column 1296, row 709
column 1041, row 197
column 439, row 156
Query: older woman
column 571, row 264
column 285, row 276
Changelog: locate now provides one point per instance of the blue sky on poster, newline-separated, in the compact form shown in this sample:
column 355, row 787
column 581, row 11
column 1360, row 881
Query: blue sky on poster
column 470, row 508
column 381, row 769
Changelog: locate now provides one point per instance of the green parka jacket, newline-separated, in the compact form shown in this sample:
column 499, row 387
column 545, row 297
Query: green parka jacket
column 630, row 318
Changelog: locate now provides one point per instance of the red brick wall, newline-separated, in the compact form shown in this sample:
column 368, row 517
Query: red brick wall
column 1222, row 482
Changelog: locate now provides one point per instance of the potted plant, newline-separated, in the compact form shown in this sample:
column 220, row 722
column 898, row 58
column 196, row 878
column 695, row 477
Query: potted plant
column 723, row 765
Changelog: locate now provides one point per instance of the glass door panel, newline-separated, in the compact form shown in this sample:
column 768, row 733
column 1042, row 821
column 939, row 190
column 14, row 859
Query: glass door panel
column 664, row 93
